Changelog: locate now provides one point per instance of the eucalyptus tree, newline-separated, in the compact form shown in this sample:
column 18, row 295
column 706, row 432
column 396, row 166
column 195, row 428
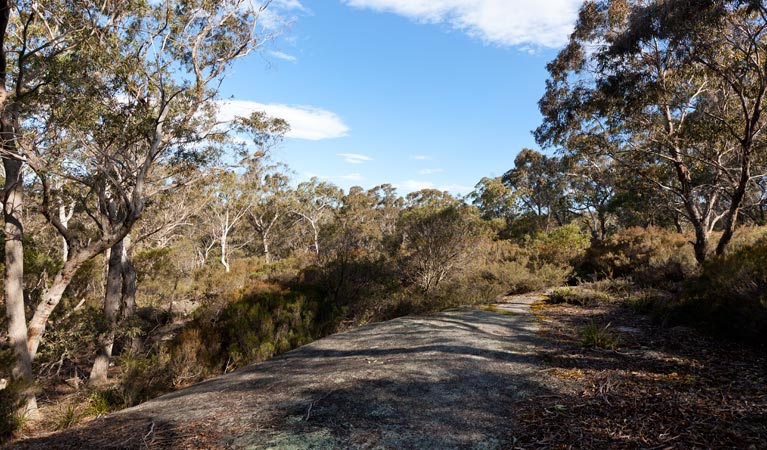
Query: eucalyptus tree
column 131, row 89
column 387, row 206
column 268, row 186
column 493, row 198
column 314, row 202
column 538, row 183
column 592, row 185
column 268, row 202
column 229, row 208
column 32, row 37
column 672, row 91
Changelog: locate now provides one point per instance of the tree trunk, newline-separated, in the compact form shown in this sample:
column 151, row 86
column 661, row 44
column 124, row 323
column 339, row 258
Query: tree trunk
column 224, row 235
column 701, row 243
column 737, row 200
column 129, row 293
column 14, row 281
column 265, row 243
column 13, row 201
column 64, row 217
column 52, row 296
column 112, row 299
column 316, row 239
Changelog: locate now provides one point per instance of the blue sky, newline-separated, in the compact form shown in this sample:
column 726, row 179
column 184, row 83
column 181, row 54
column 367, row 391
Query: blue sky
column 416, row 93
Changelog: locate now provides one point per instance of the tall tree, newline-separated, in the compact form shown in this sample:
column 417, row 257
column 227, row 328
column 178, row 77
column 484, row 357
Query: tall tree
column 674, row 92
column 268, row 202
column 313, row 203
column 119, row 88
column 538, row 183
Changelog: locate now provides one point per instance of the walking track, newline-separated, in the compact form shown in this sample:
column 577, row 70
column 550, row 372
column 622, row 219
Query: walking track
column 441, row 381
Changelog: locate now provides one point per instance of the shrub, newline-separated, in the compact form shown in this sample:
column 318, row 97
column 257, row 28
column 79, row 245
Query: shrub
column 564, row 246
column 578, row 296
column 11, row 402
column 250, row 328
column 144, row 377
column 599, row 336
column 730, row 296
column 651, row 256
column 518, row 270
column 69, row 416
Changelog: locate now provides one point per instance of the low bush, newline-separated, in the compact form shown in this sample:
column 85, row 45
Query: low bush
column 564, row 246
column 580, row 296
column 730, row 296
column 250, row 328
column 11, row 402
column 650, row 256
column 595, row 335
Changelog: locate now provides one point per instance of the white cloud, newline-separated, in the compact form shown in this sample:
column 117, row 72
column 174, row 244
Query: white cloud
column 355, row 158
column 281, row 14
column 544, row 23
column 306, row 122
column 417, row 185
column 414, row 185
column 429, row 171
column 457, row 189
column 283, row 56
column 419, row 157
column 355, row 177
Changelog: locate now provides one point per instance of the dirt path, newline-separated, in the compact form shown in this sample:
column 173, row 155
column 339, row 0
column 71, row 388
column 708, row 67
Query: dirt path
column 448, row 380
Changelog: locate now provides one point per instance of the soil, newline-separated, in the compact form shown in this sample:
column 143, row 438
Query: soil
column 506, row 376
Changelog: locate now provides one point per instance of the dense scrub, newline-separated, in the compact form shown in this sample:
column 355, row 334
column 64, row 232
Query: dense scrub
column 654, row 272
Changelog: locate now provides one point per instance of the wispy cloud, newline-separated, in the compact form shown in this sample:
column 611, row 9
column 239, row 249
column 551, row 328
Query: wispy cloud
column 283, row 56
column 419, row 157
column 544, row 23
column 306, row 122
column 355, row 158
column 280, row 14
column 355, row 177
column 417, row 185
column 429, row 171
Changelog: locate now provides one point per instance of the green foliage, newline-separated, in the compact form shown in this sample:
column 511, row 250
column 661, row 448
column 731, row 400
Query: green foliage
column 599, row 336
column 250, row 328
column 70, row 338
column 100, row 403
column 651, row 256
column 69, row 416
column 578, row 296
column 644, row 303
column 437, row 242
column 143, row 377
column 730, row 296
column 11, row 399
column 563, row 246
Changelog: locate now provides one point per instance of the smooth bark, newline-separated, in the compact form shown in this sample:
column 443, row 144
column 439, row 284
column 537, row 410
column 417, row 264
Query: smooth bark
column 112, row 300
column 14, row 281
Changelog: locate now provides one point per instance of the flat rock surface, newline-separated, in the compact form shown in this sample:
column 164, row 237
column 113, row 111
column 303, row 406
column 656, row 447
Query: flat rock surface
column 441, row 381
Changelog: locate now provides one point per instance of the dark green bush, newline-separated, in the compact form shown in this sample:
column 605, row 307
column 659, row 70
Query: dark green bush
column 730, row 296
column 11, row 398
column 252, row 328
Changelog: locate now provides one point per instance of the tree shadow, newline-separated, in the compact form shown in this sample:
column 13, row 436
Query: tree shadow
column 456, row 380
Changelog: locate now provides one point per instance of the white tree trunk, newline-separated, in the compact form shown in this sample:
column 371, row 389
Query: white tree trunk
column 224, row 233
column 14, row 282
